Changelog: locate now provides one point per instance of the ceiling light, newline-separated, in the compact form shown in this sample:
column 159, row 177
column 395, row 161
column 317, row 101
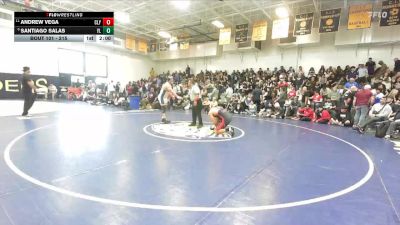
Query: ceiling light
column 218, row 24
column 164, row 34
column 182, row 4
column 281, row 12
column 122, row 17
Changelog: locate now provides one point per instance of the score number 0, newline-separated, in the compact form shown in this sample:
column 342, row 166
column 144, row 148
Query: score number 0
column 108, row 22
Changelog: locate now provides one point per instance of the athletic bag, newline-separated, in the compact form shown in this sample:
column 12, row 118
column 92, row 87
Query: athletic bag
column 381, row 129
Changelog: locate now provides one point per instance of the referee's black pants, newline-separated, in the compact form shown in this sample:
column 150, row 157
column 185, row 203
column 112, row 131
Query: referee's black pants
column 196, row 112
column 28, row 103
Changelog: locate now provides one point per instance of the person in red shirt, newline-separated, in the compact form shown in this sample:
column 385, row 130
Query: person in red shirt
column 282, row 83
column 323, row 117
column 317, row 100
column 292, row 93
column 129, row 88
column 306, row 113
column 362, row 100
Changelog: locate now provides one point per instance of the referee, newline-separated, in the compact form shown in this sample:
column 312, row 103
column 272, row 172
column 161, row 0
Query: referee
column 197, row 105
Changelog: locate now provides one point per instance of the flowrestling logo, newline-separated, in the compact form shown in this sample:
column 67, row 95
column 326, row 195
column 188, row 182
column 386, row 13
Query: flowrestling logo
column 181, row 131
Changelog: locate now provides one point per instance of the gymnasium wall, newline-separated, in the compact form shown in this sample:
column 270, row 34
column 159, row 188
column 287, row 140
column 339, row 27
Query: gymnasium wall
column 43, row 58
column 323, row 53
column 125, row 66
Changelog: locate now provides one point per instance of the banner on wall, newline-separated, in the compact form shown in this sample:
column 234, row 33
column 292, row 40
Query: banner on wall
column 225, row 36
column 163, row 46
column 259, row 31
column 184, row 45
column 330, row 20
column 280, row 28
column 303, row 24
column 390, row 14
column 142, row 46
column 130, row 43
column 241, row 32
column 152, row 47
column 10, row 84
column 359, row 16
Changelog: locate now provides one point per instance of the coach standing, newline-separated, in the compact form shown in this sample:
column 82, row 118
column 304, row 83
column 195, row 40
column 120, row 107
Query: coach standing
column 27, row 90
column 196, row 103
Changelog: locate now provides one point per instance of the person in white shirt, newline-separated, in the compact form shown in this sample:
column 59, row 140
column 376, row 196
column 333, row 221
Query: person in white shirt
column 178, row 89
column 197, row 105
column 300, row 71
column 252, row 111
column 52, row 91
column 379, row 112
column 111, row 90
column 229, row 93
column 362, row 74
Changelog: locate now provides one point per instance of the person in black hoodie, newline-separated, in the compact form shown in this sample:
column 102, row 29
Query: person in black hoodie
column 28, row 88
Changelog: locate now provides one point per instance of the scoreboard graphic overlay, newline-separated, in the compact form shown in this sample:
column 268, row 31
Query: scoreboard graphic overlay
column 64, row 26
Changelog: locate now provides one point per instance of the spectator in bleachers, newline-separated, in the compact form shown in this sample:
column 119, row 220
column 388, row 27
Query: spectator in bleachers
column 394, row 124
column 111, row 90
column 52, row 91
column 323, row 116
column 370, row 66
column 305, row 95
column 352, row 74
column 379, row 112
column 311, row 72
column 187, row 70
column 117, row 88
column 129, row 88
column 252, row 109
column 152, row 73
column 396, row 67
column 306, row 113
column 362, row 100
column 381, row 71
column 321, row 71
column 362, row 74
column 77, row 83
column 317, row 100
column 378, row 94
column 351, row 83
column 292, row 106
